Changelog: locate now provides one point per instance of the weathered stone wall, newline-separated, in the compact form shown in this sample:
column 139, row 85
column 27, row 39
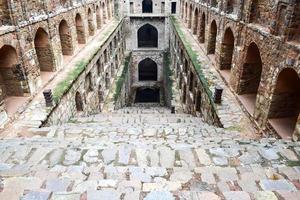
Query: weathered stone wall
column 195, row 97
column 91, row 83
column 265, row 24
column 26, row 18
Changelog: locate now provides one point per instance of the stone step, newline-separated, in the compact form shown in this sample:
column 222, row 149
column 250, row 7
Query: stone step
column 76, row 169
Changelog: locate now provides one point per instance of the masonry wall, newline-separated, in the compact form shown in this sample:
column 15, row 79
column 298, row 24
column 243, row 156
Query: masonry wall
column 21, row 22
column 93, row 84
column 269, row 25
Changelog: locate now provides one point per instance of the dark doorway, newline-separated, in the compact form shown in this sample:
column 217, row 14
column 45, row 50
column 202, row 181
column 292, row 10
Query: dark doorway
column 285, row 104
column 147, row 6
column 147, row 95
column 147, row 70
column 147, row 36
column 173, row 8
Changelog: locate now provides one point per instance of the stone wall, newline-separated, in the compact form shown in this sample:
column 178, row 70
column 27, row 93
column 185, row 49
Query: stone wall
column 265, row 24
column 195, row 97
column 91, row 83
column 24, row 19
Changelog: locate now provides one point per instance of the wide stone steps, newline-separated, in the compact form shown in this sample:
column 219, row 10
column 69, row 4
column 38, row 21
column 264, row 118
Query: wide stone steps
column 90, row 168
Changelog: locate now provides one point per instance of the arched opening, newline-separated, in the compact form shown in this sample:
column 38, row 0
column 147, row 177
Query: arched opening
column 196, row 21
column 184, row 94
column 226, row 51
column 198, row 101
column 285, row 103
column 80, row 29
column 104, row 15
column 185, row 12
column 147, row 95
column 98, row 17
column 147, row 70
column 90, row 23
column 4, row 13
column 78, row 102
column 250, row 78
column 100, row 96
column 108, row 9
column 107, row 80
column 231, row 6
column 147, row 36
column 43, row 51
column 202, row 29
column 254, row 12
column 190, row 16
column 13, row 81
column 88, row 83
column 211, row 46
column 65, row 38
column 191, row 82
column 147, row 6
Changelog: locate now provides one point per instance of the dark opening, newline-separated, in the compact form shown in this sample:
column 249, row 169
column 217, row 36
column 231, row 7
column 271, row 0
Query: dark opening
column 147, row 36
column 212, row 39
column 147, row 6
column 147, row 70
column 78, row 102
column 147, row 95
column 173, row 8
column 285, row 104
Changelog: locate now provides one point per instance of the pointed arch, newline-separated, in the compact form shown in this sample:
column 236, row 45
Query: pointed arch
column 65, row 38
column 147, row 69
column 285, row 104
column 43, row 50
column 226, row 52
column 80, row 29
column 202, row 29
column 91, row 23
column 78, row 102
column 147, row 36
column 196, row 21
column 211, row 45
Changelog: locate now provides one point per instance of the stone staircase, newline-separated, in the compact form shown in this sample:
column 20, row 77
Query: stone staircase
column 148, row 153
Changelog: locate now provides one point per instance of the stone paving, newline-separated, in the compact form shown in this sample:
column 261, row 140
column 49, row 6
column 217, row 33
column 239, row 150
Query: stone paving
column 146, row 153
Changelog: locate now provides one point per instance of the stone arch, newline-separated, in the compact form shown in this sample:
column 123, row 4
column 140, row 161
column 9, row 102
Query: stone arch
column 226, row 51
column 254, row 11
column 202, row 29
column 196, row 21
column 250, row 77
column 184, row 93
column 104, row 13
column 78, row 102
column 147, row 69
column 107, row 80
column 185, row 12
column 285, row 104
column 147, row 6
column 65, row 38
column 4, row 13
column 147, row 95
column 100, row 94
column 190, row 16
column 80, row 29
column 88, row 83
column 12, row 75
column 198, row 101
column 43, row 50
column 191, row 81
column 91, row 23
column 211, row 45
column 98, row 17
column 147, row 36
